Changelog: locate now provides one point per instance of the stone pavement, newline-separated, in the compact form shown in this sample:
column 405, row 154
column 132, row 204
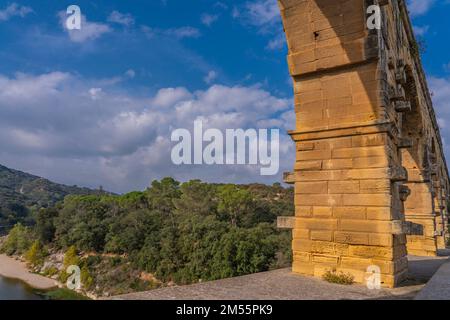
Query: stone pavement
column 438, row 288
column 284, row 285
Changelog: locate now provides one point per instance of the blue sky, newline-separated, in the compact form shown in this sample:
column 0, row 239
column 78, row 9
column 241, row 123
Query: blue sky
column 168, row 43
column 97, row 107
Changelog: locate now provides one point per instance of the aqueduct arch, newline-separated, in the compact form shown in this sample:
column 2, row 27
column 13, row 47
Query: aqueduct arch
column 371, row 181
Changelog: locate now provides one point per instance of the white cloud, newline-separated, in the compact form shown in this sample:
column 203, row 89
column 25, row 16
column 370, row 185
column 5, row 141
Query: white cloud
column 221, row 5
column 95, row 93
column 183, row 32
column 419, row 7
column 209, row 19
column 277, row 43
column 210, row 77
column 130, row 74
column 179, row 33
column 89, row 30
column 447, row 67
column 167, row 97
column 235, row 13
column 440, row 87
column 75, row 131
column 14, row 10
column 262, row 12
column 124, row 19
column 421, row 30
column 264, row 15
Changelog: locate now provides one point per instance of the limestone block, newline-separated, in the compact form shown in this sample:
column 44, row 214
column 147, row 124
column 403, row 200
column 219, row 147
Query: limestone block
column 349, row 212
column 366, row 226
column 318, row 187
column 359, row 152
column 303, row 211
column 322, row 212
column 340, row 187
column 351, row 237
column 322, row 235
column 316, row 224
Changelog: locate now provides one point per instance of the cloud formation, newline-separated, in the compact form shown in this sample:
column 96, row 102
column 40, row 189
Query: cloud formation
column 73, row 130
column 210, row 77
column 208, row 19
column 419, row 7
column 89, row 30
column 178, row 33
column 263, row 12
column 265, row 16
column 14, row 10
column 421, row 30
column 440, row 88
column 124, row 19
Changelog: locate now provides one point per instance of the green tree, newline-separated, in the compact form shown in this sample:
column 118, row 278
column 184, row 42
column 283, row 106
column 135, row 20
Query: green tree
column 86, row 278
column 196, row 198
column 243, row 251
column 198, row 237
column 71, row 257
column 18, row 241
column 36, row 254
column 183, row 233
column 162, row 193
column 128, row 234
column 83, row 221
column 234, row 203
column 45, row 227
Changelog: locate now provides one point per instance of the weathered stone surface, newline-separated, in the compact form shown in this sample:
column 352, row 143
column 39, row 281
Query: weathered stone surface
column 369, row 154
column 284, row 285
column 438, row 288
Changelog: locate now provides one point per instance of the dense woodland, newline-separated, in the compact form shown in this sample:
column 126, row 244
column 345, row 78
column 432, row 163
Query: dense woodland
column 170, row 233
column 21, row 194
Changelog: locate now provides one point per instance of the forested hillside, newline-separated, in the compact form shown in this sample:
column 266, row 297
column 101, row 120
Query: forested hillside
column 169, row 233
column 21, row 193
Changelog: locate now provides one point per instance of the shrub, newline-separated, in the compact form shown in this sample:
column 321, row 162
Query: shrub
column 64, row 294
column 70, row 259
column 86, row 279
column 36, row 254
column 18, row 241
column 50, row 272
column 338, row 277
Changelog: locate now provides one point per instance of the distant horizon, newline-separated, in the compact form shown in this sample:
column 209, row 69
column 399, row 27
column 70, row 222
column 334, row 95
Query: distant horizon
column 94, row 188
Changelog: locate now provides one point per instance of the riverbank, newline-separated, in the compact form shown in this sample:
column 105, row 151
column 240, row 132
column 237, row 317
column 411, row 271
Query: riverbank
column 15, row 269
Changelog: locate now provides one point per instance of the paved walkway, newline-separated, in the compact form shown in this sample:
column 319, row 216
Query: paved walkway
column 423, row 268
column 438, row 288
column 284, row 285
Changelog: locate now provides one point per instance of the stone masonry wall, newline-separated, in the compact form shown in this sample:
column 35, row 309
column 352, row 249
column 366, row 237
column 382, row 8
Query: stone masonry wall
column 358, row 96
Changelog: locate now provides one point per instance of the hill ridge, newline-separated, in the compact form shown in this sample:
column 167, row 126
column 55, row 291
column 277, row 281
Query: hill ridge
column 22, row 192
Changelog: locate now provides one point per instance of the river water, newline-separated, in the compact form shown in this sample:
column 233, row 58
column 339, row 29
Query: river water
column 16, row 290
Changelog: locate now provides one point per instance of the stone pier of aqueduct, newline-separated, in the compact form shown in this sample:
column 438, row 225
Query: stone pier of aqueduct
column 371, row 181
